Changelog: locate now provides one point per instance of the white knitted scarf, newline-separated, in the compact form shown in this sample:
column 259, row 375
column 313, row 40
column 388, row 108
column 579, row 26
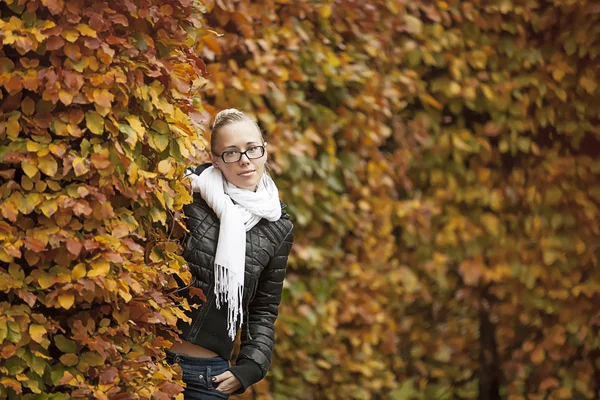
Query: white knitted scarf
column 238, row 211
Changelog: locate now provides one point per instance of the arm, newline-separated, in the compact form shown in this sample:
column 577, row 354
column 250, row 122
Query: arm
column 258, row 334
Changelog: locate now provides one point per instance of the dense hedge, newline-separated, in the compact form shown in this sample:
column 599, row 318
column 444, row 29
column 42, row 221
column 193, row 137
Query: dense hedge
column 94, row 137
column 440, row 160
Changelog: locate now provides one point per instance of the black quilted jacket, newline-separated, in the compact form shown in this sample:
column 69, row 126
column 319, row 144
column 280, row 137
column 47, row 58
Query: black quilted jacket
column 268, row 245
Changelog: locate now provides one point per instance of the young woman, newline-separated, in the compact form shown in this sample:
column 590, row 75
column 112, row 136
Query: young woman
column 237, row 248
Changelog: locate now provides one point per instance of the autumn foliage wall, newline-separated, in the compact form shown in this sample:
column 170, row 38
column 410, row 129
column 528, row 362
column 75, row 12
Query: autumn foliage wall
column 440, row 160
column 94, row 138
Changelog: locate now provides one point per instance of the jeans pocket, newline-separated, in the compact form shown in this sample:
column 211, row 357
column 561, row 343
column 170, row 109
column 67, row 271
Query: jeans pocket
column 211, row 372
column 199, row 384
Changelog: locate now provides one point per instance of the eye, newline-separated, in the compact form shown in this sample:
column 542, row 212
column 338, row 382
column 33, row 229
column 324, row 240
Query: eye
column 229, row 153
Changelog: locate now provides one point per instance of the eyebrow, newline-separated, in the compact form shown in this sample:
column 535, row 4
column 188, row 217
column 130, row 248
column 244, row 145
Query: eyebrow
column 235, row 147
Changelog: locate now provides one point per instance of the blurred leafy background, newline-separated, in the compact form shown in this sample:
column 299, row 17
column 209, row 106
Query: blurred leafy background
column 439, row 159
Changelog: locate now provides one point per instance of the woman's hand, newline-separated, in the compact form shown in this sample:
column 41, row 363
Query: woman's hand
column 227, row 382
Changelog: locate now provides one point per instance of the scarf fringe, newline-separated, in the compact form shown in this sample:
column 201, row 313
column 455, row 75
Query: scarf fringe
column 224, row 282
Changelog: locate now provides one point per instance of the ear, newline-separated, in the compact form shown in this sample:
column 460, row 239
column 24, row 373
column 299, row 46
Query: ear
column 215, row 160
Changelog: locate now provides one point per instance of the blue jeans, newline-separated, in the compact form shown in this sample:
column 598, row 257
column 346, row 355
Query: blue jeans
column 198, row 374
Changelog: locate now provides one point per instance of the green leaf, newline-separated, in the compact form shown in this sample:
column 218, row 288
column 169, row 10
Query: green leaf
column 65, row 345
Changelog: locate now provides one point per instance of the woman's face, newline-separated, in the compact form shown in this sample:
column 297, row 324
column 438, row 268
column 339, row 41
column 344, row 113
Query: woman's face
column 240, row 136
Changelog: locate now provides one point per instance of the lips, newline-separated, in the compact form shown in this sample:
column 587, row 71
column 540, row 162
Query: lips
column 247, row 173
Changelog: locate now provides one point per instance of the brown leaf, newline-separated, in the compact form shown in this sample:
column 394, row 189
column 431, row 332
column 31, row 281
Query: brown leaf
column 54, row 43
column 196, row 291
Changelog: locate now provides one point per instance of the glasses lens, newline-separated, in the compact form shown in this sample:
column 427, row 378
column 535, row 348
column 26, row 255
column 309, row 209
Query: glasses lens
column 255, row 152
column 231, row 156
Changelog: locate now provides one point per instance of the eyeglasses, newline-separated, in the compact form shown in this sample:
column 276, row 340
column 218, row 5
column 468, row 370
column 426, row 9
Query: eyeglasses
column 233, row 156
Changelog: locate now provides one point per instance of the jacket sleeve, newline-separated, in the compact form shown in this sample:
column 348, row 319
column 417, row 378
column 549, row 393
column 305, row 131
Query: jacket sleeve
column 258, row 334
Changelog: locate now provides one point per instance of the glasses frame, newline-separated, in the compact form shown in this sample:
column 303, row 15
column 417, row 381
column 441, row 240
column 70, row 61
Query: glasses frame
column 242, row 153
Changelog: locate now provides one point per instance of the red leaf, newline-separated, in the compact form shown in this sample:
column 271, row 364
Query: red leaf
column 54, row 43
column 74, row 246
column 114, row 258
column 108, row 376
column 27, row 297
column 82, row 207
column 34, row 244
column 55, row 6
column 14, row 84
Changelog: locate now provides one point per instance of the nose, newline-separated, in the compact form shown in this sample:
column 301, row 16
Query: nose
column 244, row 159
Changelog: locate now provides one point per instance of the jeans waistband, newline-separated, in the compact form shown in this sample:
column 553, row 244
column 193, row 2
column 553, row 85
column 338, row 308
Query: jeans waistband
column 215, row 361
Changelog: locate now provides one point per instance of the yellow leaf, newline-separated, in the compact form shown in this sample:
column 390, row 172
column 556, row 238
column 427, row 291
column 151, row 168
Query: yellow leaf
column 159, row 142
column 85, row 30
column 333, row 60
column 26, row 183
column 48, row 165
column 65, row 97
column 589, row 84
column 79, row 166
column 94, row 122
column 13, row 128
column 70, row 35
column 453, row 89
column 425, row 98
column 37, row 332
column 45, row 281
column 28, row 106
column 125, row 295
column 565, row 393
column 136, row 124
column 34, row 147
column 99, row 268
column 487, row 92
column 79, row 271
column 164, row 166
column 59, row 127
column 478, row 59
column 53, row 185
column 69, row 359
column 48, row 207
column 558, row 74
column 413, row 24
column 491, row 223
column 325, row 11
column 29, row 169
column 66, row 300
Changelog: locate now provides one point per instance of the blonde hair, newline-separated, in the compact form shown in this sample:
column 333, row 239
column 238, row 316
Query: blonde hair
column 227, row 117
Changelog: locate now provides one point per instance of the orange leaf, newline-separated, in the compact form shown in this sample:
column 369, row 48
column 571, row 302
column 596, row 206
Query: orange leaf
column 538, row 355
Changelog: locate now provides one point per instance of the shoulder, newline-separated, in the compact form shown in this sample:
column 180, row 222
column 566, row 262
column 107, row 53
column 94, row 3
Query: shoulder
column 280, row 230
column 198, row 203
column 200, row 168
column 285, row 219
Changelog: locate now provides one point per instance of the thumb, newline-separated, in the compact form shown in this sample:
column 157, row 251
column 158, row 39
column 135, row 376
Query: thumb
column 219, row 378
